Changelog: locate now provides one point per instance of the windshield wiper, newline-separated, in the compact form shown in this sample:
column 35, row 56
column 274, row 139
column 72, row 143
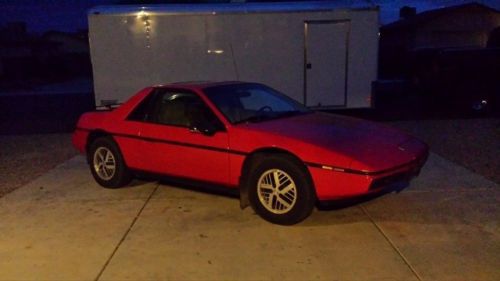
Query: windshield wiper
column 275, row 115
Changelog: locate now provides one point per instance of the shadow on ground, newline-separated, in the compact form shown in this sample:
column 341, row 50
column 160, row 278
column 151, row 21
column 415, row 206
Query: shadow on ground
column 353, row 201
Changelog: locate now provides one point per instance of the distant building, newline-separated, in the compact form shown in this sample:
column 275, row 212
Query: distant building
column 468, row 25
column 15, row 46
column 70, row 57
column 55, row 55
column 69, row 43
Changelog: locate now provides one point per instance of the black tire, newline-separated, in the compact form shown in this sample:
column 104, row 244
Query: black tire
column 109, row 178
column 292, row 176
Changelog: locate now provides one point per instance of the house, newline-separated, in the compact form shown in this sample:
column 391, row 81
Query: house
column 16, row 48
column 70, row 57
column 69, row 43
column 470, row 25
column 53, row 56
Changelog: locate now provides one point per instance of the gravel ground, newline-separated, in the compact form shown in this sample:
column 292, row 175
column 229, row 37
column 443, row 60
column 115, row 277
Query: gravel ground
column 473, row 143
column 24, row 158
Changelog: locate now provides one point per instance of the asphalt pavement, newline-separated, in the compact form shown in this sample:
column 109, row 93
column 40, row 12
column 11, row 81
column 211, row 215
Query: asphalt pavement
column 63, row 226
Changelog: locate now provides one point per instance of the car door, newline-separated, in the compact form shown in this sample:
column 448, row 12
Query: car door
column 182, row 137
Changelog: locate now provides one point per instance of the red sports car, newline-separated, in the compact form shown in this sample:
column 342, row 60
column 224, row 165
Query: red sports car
column 282, row 156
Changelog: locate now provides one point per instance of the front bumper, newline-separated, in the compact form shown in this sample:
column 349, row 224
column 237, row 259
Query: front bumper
column 333, row 185
column 405, row 174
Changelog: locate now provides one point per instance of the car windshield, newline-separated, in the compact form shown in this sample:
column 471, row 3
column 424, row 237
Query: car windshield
column 243, row 103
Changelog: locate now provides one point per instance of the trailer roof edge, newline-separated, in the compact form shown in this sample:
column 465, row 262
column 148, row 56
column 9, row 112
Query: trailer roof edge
column 231, row 8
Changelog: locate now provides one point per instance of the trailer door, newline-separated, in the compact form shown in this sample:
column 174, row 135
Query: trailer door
column 326, row 50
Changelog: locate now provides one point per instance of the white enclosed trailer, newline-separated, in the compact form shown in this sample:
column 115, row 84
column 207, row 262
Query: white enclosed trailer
column 316, row 52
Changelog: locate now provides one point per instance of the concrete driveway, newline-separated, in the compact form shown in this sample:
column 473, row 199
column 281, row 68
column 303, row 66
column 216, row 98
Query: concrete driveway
column 62, row 226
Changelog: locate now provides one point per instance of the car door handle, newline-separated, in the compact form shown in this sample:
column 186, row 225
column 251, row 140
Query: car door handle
column 194, row 130
column 208, row 131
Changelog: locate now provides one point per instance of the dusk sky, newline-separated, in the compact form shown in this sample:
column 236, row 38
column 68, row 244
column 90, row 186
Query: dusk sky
column 43, row 15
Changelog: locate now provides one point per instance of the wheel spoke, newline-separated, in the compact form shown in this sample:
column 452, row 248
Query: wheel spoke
column 100, row 156
column 109, row 169
column 104, row 171
column 268, row 180
column 276, row 177
column 283, row 202
column 287, row 188
column 274, row 201
column 287, row 197
column 109, row 157
column 266, row 187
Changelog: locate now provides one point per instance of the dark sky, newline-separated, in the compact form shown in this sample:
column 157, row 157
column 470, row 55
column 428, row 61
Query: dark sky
column 43, row 15
column 70, row 15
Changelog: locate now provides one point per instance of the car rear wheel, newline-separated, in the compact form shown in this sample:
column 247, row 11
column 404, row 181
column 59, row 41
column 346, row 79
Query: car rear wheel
column 107, row 165
column 280, row 190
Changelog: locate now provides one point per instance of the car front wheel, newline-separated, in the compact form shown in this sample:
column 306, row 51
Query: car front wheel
column 280, row 190
column 107, row 165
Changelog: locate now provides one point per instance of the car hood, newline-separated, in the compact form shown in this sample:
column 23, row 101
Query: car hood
column 368, row 145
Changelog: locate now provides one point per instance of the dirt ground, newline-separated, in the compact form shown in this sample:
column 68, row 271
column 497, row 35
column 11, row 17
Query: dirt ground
column 473, row 143
column 26, row 157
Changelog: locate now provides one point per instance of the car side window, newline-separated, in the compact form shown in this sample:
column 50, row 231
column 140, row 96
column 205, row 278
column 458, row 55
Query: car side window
column 169, row 109
column 181, row 109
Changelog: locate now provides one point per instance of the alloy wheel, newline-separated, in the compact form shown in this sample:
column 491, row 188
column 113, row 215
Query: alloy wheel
column 277, row 191
column 104, row 163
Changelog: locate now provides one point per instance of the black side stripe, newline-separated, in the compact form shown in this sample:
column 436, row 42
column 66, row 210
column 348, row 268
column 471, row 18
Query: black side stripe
column 155, row 140
column 418, row 161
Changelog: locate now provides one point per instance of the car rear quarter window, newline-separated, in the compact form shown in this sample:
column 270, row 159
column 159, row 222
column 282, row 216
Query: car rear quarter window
column 140, row 113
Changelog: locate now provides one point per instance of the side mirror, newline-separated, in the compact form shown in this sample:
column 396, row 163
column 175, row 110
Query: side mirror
column 203, row 128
